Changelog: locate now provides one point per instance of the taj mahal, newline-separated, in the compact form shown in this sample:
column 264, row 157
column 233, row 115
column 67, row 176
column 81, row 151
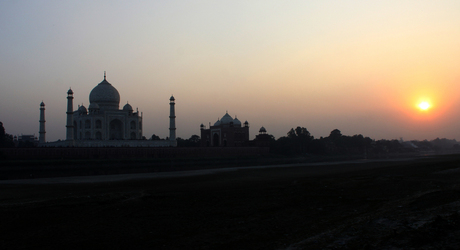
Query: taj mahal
column 104, row 124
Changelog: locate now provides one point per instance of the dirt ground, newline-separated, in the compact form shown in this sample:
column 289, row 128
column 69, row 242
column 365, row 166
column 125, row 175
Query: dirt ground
column 387, row 205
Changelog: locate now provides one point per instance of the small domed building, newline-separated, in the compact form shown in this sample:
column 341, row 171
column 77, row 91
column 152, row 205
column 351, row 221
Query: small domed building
column 226, row 132
column 262, row 139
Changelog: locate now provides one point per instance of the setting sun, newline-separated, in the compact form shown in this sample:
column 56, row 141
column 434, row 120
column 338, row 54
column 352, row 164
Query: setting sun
column 424, row 105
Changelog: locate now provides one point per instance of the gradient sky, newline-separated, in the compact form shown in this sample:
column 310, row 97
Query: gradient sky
column 358, row 66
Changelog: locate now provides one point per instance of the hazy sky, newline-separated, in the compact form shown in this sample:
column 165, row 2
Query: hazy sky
column 359, row 66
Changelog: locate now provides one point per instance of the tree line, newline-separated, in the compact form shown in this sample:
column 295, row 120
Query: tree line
column 299, row 141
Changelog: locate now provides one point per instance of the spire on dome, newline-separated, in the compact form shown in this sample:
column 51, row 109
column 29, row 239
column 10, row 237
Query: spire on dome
column 104, row 75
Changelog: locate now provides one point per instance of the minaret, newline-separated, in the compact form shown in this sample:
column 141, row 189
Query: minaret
column 42, row 132
column 172, row 122
column 69, row 126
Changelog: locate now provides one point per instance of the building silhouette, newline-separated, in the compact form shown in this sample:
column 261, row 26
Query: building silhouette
column 226, row 132
column 103, row 123
column 103, row 120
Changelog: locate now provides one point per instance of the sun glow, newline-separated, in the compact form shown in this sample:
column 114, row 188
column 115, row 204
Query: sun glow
column 424, row 105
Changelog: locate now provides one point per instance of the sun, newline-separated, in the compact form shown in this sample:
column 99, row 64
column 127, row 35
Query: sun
column 424, row 105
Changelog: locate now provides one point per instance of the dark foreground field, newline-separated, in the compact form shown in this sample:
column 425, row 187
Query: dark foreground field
column 388, row 205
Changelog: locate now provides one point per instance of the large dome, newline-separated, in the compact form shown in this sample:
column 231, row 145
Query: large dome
column 105, row 95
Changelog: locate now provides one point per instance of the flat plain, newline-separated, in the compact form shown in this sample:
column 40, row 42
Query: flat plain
column 410, row 204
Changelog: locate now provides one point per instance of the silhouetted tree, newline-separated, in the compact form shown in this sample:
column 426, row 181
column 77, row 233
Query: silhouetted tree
column 303, row 139
column 180, row 142
column 443, row 143
column 284, row 146
column 6, row 140
column 318, row 146
column 155, row 137
column 297, row 141
column 300, row 141
column 2, row 134
column 291, row 134
column 357, row 144
column 335, row 142
column 193, row 141
column 336, row 137
column 335, row 134
column 387, row 146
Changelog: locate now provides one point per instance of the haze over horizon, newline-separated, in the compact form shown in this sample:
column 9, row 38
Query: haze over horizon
column 362, row 67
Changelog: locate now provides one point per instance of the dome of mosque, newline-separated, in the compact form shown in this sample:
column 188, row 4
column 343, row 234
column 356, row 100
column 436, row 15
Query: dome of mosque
column 236, row 121
column 82, row 109
column 105, row 94
column 217, row 123
column 127, row 107
column 226, row 119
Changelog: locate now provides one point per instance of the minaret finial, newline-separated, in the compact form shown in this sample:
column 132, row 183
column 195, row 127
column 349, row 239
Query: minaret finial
column 104, row 74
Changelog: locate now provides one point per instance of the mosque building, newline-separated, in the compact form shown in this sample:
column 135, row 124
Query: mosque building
column 226, row 132
column 229, row 132
column 104, row 124
column 103, row 120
